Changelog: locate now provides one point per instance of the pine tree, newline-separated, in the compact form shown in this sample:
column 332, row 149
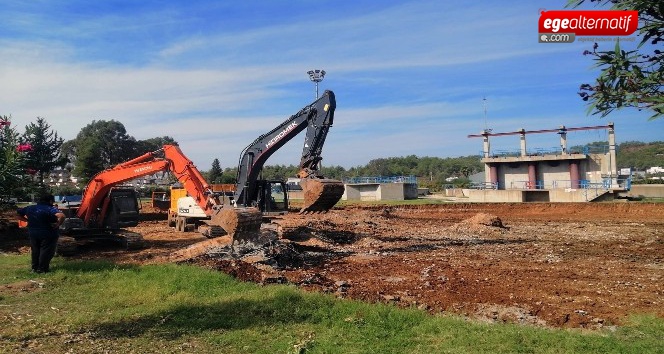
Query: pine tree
column 12, row 171
column 42, row 149
column 214, row 176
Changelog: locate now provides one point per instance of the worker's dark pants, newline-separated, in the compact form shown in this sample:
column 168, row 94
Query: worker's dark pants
column 43, row 250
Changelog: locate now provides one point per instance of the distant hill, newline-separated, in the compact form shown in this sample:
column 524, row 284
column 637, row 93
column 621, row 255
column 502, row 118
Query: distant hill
column 639, row 155
column 635, row 154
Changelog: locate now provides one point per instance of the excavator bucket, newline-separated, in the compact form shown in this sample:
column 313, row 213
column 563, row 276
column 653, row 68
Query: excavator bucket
column 242, row 224
column 320, row 195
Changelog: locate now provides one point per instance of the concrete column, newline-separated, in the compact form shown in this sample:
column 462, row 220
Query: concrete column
column 493, row 173
column 487, row 146
column 532, row 175
column 523, row 142
column 613, row 169
column 574, row 174
column 563, row 139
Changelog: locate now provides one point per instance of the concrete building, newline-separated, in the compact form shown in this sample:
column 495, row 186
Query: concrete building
column 549, row 175
column 380, row 188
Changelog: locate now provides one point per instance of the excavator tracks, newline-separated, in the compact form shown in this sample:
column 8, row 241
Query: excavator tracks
column 320, row 195
column 67, row 246
column 131, row 240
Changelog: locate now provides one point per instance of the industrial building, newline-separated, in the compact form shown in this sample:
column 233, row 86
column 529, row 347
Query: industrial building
column 380, row 188
column 549, row 175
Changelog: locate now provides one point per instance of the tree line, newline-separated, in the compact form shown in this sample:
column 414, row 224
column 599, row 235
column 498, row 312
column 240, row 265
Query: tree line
column 27, row 158
column 431, row 172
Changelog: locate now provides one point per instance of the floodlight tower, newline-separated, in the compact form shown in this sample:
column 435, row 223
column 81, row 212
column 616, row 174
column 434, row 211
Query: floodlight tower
column 316, row 76
column 486, row 124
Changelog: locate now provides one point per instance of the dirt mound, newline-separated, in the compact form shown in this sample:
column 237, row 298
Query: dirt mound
column 480, row 223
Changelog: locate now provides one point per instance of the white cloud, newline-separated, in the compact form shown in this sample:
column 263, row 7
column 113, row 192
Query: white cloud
column 409, row 77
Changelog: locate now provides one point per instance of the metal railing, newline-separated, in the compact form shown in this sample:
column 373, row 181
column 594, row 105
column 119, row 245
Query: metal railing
column 605, row 184
column 585, row 150
column 483, row 185
column 554, row 184
column 381, row 179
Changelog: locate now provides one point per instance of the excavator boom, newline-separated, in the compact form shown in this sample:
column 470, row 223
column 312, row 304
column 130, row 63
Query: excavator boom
column 320, row 194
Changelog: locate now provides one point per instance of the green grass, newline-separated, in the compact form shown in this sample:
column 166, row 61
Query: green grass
column 91, row 307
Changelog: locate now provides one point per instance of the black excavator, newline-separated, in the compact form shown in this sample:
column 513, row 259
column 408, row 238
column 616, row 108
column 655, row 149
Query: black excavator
column 255, row 198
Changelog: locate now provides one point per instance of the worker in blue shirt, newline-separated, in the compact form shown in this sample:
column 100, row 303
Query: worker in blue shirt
column 43, row 220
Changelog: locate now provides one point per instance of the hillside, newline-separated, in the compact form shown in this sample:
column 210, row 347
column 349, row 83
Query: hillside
column 639, row 155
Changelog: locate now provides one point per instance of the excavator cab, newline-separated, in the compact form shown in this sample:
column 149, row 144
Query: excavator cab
column 123, row 209
column 272, row 197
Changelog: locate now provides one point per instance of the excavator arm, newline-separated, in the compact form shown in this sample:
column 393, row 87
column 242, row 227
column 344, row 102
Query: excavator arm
column 317, row 129
column 192, row 180
column 317, row 118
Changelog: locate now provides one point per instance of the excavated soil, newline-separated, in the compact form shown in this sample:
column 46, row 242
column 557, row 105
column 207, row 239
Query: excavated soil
column 587, row 265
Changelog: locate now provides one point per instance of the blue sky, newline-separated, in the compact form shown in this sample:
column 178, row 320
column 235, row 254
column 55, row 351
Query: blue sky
column 409, row 76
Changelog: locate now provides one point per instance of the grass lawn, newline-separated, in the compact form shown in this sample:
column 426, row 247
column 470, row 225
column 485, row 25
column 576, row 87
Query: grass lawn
column 97, row 307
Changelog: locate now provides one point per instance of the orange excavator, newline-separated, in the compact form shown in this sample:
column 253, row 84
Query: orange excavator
column 107, row 207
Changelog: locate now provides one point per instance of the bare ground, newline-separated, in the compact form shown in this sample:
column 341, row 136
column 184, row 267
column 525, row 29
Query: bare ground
column 587, row 265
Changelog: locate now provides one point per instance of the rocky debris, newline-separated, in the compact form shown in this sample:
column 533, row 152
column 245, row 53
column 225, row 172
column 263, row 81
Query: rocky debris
column 387, row 212
column 315, row 279
column 341, row 286
column 235, row 268
column 507, row 314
